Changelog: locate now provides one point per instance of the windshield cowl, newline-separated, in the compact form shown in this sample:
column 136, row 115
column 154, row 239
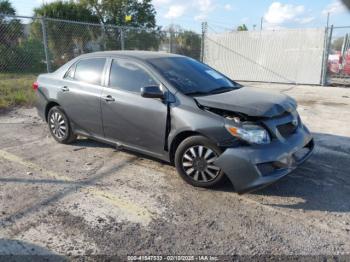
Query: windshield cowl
column 214, row 91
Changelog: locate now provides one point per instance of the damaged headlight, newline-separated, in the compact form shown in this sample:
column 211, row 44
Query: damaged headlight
column 250, row 133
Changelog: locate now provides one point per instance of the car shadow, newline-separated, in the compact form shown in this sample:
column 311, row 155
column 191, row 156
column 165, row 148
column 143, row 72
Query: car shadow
column 322, row 183
column 17, row 250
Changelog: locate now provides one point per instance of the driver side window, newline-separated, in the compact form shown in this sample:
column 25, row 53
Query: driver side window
column 127, row 75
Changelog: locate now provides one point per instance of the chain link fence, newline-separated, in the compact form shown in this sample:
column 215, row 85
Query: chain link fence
column 20, row 49
column 34, row 45
column 338, row 53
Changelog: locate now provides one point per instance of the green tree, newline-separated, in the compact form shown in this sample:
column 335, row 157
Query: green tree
column 6, row 8
column 145, row 35
column 143, row 39
column 66, row 40
column 184, row 42
column 11, row 29
column 66, row 10
column 188, row 43
column 242, row 28
column 114, row 12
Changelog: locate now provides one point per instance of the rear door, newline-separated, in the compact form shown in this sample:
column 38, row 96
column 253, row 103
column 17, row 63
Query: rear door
column 127, row 116
column 80, row 94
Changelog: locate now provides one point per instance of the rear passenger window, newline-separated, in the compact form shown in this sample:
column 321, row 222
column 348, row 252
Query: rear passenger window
column 129, row 76
column 90, row 70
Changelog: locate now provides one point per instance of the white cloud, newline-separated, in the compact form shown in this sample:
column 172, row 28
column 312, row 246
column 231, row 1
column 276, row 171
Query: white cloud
column 175, row 11
column 205, row 7
column 46, row 1
column 160, row 2
column 244, row 19
column 334, row 7
column 305, row 20
column 279, row 13
column 200, row 17
column 228, row 7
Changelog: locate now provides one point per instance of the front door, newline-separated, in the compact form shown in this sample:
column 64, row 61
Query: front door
column 127, row 116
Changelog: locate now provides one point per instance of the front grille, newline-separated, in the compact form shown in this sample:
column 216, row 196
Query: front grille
column 287, row 129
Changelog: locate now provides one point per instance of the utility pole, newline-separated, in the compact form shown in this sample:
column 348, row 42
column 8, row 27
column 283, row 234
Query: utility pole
column 204, row 32
column 171, row 36
column 326, row 54
column 261, row 23
column 45, row 42
column 122, row 40
column 328, row 15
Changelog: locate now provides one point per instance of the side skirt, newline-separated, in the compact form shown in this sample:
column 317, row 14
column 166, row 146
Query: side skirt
column 120, row 146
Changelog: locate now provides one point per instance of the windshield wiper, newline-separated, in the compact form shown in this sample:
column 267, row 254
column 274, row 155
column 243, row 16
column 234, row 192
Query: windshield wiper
column 196, row 93
column 212, row 92
column 222, row 89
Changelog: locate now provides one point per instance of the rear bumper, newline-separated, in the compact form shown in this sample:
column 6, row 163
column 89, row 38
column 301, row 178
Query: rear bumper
column 253, row 167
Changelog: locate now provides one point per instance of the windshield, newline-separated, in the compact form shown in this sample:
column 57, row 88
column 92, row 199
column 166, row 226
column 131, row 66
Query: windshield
column 192, row 77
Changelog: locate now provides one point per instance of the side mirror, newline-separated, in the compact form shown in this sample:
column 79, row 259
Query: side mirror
column 152, row 92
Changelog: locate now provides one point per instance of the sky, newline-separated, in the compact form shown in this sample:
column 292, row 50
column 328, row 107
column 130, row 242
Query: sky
column 224, row 15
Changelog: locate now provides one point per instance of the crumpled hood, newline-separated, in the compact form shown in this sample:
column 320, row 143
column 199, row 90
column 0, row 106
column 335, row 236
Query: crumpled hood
column 250, row 101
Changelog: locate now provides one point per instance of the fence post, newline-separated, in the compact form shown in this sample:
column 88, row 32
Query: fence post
column 122, row 40
column 171, row 39
column 46, row 49
column 204, row 32
column 327, row 47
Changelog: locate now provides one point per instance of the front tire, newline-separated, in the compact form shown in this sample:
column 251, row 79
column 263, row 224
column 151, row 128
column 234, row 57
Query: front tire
column 59, row 126
column 194, row 159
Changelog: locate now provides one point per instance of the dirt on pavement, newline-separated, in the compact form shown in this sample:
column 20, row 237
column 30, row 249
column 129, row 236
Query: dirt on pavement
column 89, row 198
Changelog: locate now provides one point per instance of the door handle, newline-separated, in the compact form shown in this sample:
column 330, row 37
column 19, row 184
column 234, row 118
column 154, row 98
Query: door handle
column 109, row 98
column 65, row 89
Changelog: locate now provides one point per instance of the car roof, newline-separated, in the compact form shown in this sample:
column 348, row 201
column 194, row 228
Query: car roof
column 142, row 55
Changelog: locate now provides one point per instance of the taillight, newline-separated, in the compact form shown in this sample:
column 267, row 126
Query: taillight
column 35, row 85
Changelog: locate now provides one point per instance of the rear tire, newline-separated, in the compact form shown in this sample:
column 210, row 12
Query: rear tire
column 194, row 159
column 59, row 126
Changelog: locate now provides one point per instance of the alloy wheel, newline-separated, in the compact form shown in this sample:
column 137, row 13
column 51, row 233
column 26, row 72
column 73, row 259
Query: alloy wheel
column 58, row 125
column 197, row 162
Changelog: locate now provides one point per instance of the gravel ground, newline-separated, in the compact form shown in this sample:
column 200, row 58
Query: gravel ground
column 89, row 198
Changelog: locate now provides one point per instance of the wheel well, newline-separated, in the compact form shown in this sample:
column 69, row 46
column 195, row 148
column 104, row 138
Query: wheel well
column 177, row 140
column 48, row 107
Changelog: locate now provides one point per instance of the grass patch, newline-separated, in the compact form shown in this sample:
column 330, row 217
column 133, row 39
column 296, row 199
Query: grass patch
column 16, row 90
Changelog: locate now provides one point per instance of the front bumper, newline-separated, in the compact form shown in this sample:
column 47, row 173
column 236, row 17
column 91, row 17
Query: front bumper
column 252, row 167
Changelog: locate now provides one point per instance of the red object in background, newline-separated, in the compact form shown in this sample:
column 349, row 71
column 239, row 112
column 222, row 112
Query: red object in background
column 346, row 68
column 336, row 65
column 35, row 85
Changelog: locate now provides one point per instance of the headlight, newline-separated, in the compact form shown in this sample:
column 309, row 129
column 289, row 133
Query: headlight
column 251, row 133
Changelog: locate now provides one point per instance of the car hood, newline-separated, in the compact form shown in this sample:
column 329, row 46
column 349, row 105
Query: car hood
column 250, row 101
